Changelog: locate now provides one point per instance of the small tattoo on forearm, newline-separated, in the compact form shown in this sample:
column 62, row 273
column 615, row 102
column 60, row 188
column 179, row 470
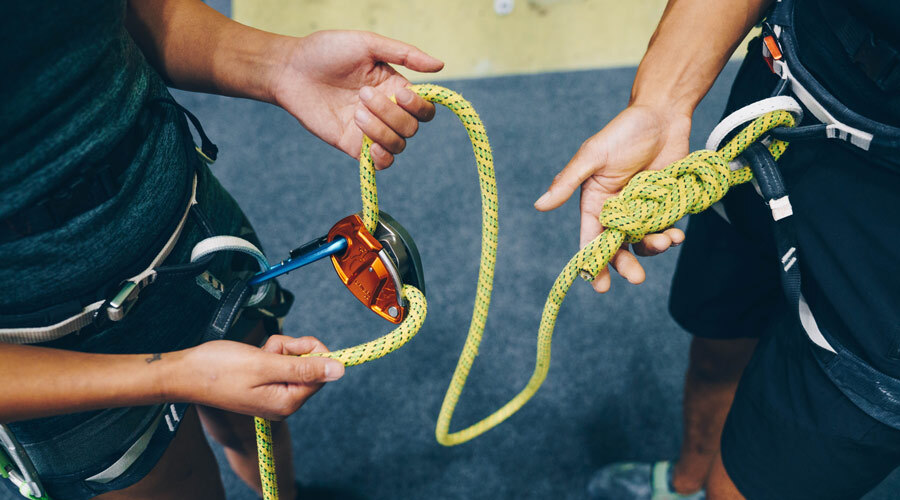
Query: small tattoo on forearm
column 155, row 357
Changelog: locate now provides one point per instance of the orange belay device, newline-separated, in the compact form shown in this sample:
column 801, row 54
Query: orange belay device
column 374, row 267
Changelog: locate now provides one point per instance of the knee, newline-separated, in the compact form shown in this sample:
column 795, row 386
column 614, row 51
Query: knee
column 232, row 431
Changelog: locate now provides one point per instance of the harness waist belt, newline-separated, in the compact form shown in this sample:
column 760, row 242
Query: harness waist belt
column 113, row 309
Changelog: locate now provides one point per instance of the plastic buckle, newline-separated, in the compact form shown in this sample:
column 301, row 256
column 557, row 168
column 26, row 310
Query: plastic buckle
column 781, row 208
column 771, row 52
column 18, row 468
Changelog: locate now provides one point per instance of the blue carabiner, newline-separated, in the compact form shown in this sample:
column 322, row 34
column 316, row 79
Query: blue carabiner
column 315, row 250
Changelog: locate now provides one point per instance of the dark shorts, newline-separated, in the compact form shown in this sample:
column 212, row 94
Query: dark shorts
column 790, row 432
column 170, row 315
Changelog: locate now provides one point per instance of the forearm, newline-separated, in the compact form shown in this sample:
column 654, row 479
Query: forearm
column 694, row 40
column 196, row 48
column 39, row 381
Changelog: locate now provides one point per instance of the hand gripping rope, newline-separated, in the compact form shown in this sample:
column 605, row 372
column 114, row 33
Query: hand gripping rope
column 652, row 201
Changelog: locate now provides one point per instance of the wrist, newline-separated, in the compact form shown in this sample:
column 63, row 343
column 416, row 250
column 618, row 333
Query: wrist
column 249, row 61
column 665, row 90
column 170, row 375
column 275, row 62
column 283, row 74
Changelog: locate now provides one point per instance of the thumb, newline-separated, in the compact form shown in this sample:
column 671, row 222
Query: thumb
column 396, row 52
column 585, row 162
column 308, row 370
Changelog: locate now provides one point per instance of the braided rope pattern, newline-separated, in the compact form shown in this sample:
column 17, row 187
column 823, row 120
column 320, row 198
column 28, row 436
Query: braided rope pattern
column 651, row 201
column 265, row 453
column 368, row 188
column 350, row 356
column 405, row 331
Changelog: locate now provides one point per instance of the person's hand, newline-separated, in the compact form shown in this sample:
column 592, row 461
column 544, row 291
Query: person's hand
column 245, row 379
column 338, row 85
column 639, row 138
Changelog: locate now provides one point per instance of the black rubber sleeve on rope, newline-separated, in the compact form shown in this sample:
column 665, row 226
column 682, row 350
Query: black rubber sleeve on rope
column 807, row 132
column 766, row 171
column 772, row 187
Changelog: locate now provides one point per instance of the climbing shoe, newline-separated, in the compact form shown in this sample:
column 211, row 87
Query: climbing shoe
column 637, row 481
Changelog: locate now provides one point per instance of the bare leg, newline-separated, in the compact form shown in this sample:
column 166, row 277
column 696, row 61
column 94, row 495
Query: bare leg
column 713, row 373
column 237, row 434
column 720, row 486
column 187, row 469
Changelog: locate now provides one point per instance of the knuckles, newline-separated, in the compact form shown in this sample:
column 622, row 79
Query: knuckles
column 411, row 129
column 308, row 372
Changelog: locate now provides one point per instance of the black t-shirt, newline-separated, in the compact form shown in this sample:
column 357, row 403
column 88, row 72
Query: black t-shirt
column 822, row 54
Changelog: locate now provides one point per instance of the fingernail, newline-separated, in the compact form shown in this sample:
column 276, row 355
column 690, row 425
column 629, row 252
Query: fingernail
column 405, row 96
column 543, row 199
column 362, row 116
column 333, row 371
column 367, row 93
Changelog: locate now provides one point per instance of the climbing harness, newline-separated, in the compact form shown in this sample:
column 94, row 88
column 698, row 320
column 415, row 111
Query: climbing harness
column 837, row 120
column 872, row 391
column 377, row 261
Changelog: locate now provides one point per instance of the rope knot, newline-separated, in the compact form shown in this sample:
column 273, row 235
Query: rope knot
column 654, row 200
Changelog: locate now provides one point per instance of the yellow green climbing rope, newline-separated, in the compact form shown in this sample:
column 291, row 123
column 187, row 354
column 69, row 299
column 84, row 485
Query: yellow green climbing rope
column 652, row 201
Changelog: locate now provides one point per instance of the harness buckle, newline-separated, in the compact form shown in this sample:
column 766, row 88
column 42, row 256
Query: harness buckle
column 123, row 301
column 117, row 307
column 16, row 466
column 771, row 52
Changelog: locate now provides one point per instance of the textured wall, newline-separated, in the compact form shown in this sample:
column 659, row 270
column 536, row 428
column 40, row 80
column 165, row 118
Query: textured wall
column 472, row 38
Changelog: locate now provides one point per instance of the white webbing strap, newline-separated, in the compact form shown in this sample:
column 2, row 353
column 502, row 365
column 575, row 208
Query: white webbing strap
column 740, row 117
column 811, row 327
column 131, row 455
column 35, row 335
column 749, row 113
column 834, row 128
column 217, row 244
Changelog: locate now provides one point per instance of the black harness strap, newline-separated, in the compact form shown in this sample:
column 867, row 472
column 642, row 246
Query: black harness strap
column 878, row 59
